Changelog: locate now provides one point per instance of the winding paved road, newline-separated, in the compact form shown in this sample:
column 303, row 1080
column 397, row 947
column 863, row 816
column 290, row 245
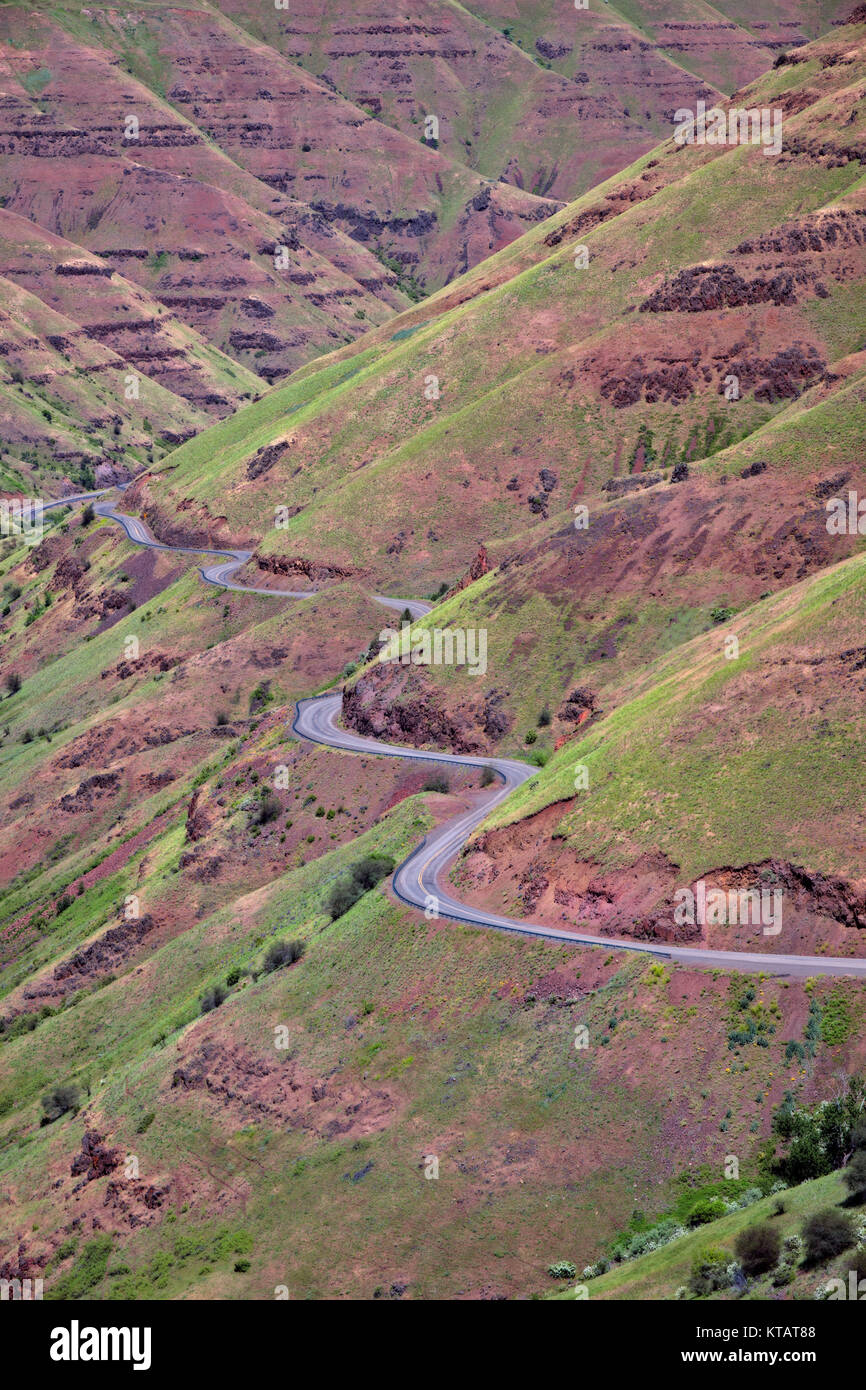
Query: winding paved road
column 420, row 878
column 230, row 561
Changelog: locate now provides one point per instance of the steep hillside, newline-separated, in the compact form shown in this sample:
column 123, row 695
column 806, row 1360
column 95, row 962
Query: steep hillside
column 705, row 265
column 544, row 96
column 87, row 399
column 160, row 203
column 733, row 763
column 231, row 1057
column 262, row 138
column 501, row 106
column 668, row 1272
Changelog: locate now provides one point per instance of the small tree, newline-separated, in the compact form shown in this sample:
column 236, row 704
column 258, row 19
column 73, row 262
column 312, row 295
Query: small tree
column 709, row 1272
column 707, row 1209
column 342, row 896
column 826, row 1234
column 59, row 1101
column 858, row 1135
column 212, row 998
column 13, row 682
column 362, row 876
column 855, row 1175
column 281, row 953
column 269, row 807
column 437, row 782
column 371, row 870
column 758, row 1248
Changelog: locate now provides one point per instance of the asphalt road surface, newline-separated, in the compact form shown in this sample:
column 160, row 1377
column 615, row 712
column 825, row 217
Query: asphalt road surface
column 420, row 881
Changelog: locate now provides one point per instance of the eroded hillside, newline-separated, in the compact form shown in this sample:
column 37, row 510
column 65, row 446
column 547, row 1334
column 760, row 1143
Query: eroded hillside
column 203, row 967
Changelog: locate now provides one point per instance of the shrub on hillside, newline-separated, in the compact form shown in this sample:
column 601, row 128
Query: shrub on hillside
column 487, row 776
column 281, row 953
column 59, row 1101
column 642, row 1242
column 857, row 1262
column 758, row 1248
column 822, row 1138
column 826, row 1234
column 212, row 998
column 13, row 682
column 710, row 1271
column 707, row 1209
column 562, row 1269
column 268, row 808
column 854, row 1175
column 361, row 877
column 437, row 782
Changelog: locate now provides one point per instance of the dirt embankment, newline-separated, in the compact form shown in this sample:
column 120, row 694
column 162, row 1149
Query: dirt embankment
column 178, row 521
column 400, row 704
column 525, row 870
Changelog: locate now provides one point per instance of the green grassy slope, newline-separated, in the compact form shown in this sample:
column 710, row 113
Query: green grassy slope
column 716, row 759
column 661, row 1273
column 539, row 354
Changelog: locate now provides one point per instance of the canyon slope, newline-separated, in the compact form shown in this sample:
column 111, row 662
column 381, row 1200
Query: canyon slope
column 546, row 448
column 271, row 183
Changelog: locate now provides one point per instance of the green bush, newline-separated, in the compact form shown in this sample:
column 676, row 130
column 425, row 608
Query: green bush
column 758, row 1248
column 212, row 998
column 854, row 1175
column 59, row 1101
column 562, row 1269
column 826, row 1234
column 707, row 1209
column 361, row 877
column 710, row 1271
column 822, row 1138
column 282, row 953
